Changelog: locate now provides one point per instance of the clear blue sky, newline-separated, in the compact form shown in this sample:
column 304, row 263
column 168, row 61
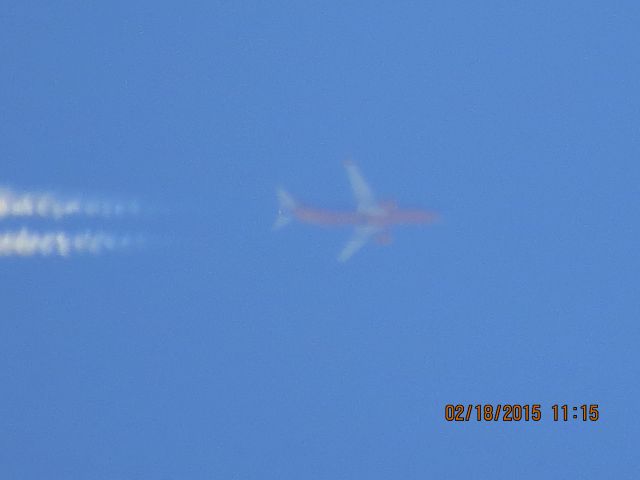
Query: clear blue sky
column 227, row 351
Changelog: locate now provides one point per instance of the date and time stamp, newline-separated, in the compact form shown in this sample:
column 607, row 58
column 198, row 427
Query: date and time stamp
column 514, row 412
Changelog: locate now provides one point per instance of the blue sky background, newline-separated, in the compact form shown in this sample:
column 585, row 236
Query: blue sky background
column 228, row 351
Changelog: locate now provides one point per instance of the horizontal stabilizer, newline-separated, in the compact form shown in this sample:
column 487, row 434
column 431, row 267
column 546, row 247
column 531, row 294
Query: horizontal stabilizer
column 286, row 205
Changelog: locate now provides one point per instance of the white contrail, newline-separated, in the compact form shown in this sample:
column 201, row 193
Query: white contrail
column 25, row 243
column 47, row 205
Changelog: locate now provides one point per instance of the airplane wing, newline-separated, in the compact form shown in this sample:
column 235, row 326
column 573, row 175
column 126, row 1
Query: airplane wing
column 361, row 190
column 357, row 241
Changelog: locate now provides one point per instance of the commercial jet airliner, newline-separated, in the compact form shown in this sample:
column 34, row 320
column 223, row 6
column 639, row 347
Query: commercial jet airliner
column 370, row 219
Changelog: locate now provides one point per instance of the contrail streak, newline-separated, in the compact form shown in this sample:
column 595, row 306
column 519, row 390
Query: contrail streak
column 25, row 243
column 47, row 205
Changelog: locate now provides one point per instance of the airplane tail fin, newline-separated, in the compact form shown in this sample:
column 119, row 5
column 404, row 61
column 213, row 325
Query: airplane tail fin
column 286, row 205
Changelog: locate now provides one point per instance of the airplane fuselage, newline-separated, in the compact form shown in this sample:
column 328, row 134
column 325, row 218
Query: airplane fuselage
column 383, row 219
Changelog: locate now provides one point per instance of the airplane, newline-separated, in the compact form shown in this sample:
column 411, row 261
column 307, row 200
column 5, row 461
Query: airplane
column 370, row 219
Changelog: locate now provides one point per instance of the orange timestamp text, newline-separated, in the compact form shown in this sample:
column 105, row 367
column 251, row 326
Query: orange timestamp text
column 519, row 412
